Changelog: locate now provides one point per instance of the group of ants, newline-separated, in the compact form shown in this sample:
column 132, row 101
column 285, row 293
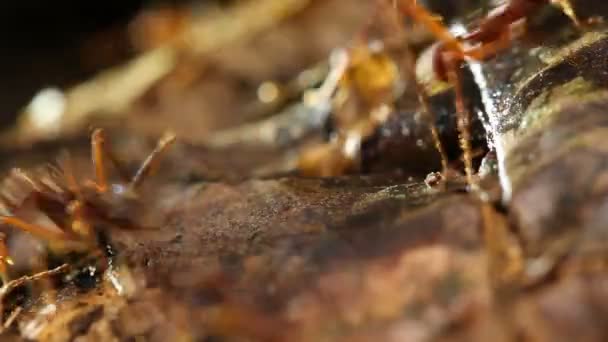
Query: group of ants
column 80, row 208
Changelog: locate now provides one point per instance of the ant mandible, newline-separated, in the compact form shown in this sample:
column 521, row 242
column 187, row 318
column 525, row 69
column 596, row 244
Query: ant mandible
column 492, row 35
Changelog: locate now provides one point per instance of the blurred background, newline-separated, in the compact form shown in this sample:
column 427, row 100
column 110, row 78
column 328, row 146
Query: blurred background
column 58, row 43
column 195, row 66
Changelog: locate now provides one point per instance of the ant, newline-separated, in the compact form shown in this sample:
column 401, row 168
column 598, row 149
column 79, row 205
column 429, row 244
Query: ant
column 363, row 66
column 77, row 211
column 492, row 35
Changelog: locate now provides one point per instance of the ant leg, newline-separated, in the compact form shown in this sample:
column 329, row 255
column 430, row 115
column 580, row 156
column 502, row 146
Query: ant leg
column 462, row 113
column 500, row 19
column 34, row 229
column 97, row 148
column 149, row 165
column 79, row 224
column 432, row 118
column 452, row 54
column 487, row 50
column 410, row 64
column 5, row 260
column 107, row 153
column 433, row 23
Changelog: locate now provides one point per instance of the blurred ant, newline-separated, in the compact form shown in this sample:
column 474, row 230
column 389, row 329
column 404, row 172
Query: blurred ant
column 361, row 90
column 492, row 35
column 75, row 212
column 366, row 76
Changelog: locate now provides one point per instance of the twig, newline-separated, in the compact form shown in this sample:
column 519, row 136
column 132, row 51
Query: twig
column 11, row 285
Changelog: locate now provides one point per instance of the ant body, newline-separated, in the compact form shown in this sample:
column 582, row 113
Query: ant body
column 76, row 210
column 492, row 34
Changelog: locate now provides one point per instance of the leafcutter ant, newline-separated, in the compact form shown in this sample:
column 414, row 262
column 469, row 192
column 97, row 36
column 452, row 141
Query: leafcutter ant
column 51, row 204
column 492, row 35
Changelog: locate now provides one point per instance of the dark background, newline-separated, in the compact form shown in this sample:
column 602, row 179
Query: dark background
column 59, row 43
